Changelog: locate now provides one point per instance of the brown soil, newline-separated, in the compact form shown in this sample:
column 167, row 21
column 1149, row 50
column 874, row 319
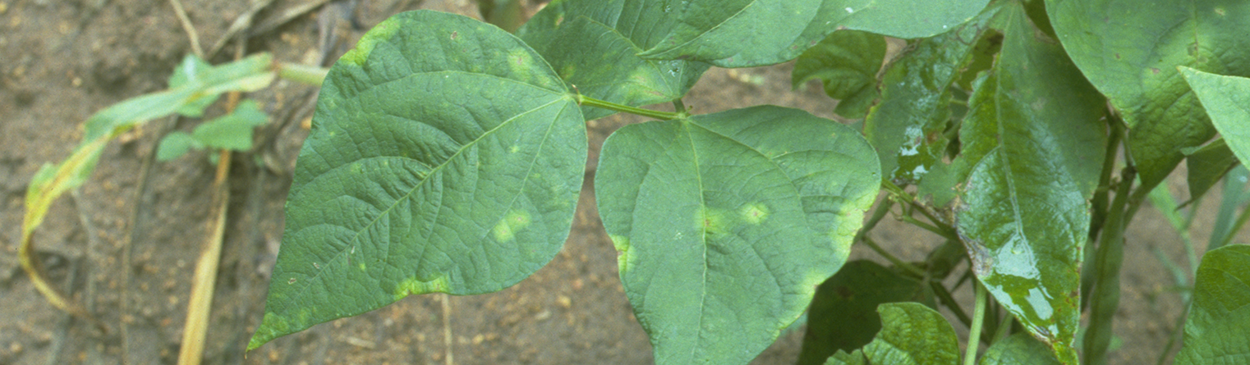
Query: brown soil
column 60, row 61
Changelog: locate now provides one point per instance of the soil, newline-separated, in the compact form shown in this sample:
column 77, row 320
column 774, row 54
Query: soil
column 61, row 61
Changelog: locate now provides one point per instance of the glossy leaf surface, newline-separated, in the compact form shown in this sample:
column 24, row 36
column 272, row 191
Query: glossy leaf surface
column 909, row 123
column 746, row 33
column 445, row 156
column 1130, row 52
column 843, row 315
column 1018, row 349
column 1215, row 332
column 726, row 223
column 913, row 334
column 1034, row 132
column 847, row 63
column 594, row 46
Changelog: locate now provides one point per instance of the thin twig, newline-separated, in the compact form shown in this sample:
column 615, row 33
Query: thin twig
column 128, row 243
column 186, row 26
column 447, row 329
column 199, row 306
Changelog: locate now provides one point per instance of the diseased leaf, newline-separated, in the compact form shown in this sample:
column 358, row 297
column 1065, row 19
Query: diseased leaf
column 1019, row 349
column 908, row 126
column 747, row 33
column 843, row 315
column 727, row 222
column 913, row 334
column 594, row 46
column 846, row 63
column 1130, row 53
column 1215, row 331
column 1034, row 136
column 1207, row 165
column 445, row 156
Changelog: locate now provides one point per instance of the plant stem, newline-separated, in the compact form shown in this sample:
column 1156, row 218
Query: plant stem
column 974, row 332
column 1107, row 287
column 894, row 260
column 586, row 100
column 311, row 75
column 1241, row 222
column 947, row 300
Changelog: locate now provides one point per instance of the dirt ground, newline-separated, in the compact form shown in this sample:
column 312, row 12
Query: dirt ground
column 60, row 61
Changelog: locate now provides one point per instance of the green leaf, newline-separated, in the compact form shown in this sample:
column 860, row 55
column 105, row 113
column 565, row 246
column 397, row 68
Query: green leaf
column 445, row 156
column 913, row 335
column 594, row 46
column 176, row 144
column 196, row 84
column 1130, row 53
column 1207, row 165
column 1227, row 102
column 746, row 33
column 843, row 315
column 846, row 63
column 192, row 69
column 1035, row 134
column 1019, row 349
column 1215, row 331
column 727, row 222
column 909, row 123
column 232, row 131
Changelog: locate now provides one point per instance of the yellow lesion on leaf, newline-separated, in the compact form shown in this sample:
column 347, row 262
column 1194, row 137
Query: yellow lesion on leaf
column 754, row 213
column 412, row 286
column 511, row 223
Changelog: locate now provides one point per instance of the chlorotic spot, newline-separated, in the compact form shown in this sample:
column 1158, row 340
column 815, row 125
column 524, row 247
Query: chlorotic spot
column 710, row 221
column 362, row 267
column 511, row 223
column 412, row 286
column 514, row 149
column 754, row 213
column 620, row 242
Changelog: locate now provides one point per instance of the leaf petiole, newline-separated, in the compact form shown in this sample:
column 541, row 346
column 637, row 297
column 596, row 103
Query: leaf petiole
column 661, row 115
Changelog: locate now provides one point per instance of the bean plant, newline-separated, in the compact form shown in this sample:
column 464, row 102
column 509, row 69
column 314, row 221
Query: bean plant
column 446, row 156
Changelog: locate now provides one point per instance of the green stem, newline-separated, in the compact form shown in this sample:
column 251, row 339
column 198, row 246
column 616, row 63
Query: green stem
column 894, row 260
column 1099, row 208
column 302, row 73
column 1241, row 222
column 586, row 100
column 1109, row 258
column 1004, row 327
column 928, row 227
column 974, row 332
column 944, row 296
